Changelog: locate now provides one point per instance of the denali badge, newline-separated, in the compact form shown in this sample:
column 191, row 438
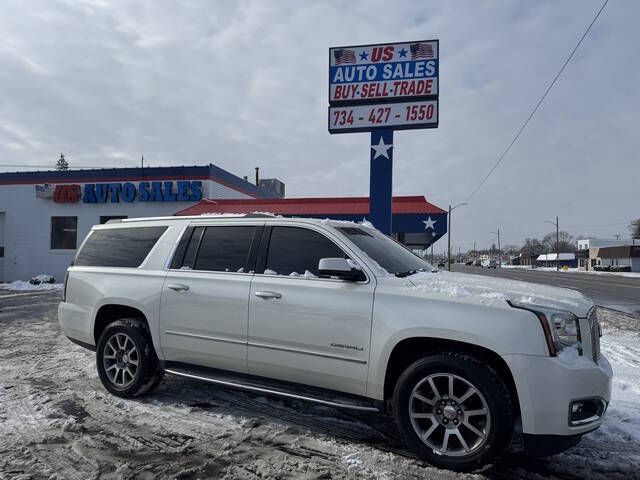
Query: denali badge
column 350, row 347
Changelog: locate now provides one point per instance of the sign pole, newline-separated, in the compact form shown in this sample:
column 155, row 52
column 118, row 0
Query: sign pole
column 381, row 179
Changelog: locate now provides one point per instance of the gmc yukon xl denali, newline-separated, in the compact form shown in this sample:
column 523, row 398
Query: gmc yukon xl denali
column 340, row 314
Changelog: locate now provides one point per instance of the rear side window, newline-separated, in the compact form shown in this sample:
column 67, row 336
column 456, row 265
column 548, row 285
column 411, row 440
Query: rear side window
column 224, row 249
column 118, row 247
column 295, row 250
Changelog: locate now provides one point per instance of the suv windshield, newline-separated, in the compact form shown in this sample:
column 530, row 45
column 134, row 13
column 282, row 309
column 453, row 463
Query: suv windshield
column 389, row 254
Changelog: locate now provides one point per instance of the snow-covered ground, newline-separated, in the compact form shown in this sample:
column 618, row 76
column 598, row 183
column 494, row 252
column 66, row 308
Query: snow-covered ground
column 41, row 280
column 22, row 286
column 56, row 421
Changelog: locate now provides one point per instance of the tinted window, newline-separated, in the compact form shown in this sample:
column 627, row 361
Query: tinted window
column 64, row 232
column 189, row 240
column 225, row 249
column 388, row 253
column 298, row 250
column 119, row 247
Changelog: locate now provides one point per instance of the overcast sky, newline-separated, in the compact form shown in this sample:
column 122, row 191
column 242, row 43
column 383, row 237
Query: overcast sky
column 244, row 84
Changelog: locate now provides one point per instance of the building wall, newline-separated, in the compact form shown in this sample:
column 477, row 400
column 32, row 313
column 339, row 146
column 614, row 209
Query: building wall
column 26, row 226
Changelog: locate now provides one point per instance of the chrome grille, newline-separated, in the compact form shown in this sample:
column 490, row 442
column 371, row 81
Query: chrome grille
column 595, row 333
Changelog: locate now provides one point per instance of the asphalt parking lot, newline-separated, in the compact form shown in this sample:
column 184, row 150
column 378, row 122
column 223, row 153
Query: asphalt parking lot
column 611, row 291
column 57, row 422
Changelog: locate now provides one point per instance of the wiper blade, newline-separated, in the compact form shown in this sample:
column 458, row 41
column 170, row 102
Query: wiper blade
column 406, row 274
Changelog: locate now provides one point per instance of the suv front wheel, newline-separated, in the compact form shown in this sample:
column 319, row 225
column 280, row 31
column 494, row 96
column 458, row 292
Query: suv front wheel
column 453, row 411
column 127, row 363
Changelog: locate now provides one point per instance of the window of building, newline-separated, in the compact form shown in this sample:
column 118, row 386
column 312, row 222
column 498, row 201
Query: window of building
column 105, row 218
column 224, row 249
column 119, row 247
column 295, row 250
column 64, row 233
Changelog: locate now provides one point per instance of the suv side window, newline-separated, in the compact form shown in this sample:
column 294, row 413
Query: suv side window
column 224, row 248
column 294, row 250
column 118, row 247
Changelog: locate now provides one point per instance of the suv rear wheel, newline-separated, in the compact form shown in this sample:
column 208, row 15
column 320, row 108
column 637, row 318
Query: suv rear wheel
column 453, row 411
column 127, row 363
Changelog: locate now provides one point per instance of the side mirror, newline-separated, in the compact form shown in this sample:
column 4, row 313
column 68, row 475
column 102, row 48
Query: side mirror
column 340, row 268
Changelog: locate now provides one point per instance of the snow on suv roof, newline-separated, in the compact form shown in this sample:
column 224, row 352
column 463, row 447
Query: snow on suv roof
column 253, row 215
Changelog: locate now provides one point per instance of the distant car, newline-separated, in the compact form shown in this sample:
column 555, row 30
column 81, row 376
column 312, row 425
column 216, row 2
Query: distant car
column 441, row 265
column 489, row 263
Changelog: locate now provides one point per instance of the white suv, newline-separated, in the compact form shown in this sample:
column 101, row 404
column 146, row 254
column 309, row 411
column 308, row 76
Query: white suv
column 337, row 313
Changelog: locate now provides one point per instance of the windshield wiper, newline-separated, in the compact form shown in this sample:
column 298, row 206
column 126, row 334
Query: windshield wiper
column 408, row 272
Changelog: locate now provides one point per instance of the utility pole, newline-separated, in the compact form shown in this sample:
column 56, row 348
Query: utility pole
column 557, row 244
column 449, row 240
column 451, row 209
column 142, row 162
column 557, row 224
column 499, row 253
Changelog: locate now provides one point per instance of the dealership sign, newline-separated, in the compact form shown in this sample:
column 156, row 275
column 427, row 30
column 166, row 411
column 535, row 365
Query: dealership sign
column 381, row 88
column 166, row 191
column 402, row 74
column 364, row 117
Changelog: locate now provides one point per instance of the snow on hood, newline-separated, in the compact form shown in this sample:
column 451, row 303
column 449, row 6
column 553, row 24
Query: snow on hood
column 493, row 289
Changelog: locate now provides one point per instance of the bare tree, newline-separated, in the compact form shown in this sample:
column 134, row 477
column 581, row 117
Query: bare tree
column 62, row 164
column 532, row 246
column 565, row 240
column 635, row 228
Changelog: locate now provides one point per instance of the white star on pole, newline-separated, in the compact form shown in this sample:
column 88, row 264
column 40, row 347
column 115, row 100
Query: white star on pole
column 429, row 224
column 381, row 149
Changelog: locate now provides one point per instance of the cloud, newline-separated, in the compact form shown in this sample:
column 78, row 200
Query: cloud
column 244, row 84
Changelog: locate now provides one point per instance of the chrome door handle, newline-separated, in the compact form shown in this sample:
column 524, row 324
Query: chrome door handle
column 178, row 287
column 268, row 294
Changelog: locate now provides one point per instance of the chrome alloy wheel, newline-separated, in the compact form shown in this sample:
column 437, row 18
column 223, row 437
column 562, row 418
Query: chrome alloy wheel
column 120, row 360
column 449, row 415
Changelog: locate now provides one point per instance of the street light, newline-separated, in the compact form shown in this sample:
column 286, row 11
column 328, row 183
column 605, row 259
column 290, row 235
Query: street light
column 451, row 209
column 557, row 242
column 499, row 253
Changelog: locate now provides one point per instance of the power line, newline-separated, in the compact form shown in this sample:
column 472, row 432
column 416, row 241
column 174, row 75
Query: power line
column 535, row 109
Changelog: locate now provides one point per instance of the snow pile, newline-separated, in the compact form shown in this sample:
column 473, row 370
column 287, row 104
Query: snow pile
column 462, row 285
column 622, row 422
column 454, row 285
column 22, row 286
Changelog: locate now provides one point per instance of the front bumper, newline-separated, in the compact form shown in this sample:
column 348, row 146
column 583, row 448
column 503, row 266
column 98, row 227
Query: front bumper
column 546, row 387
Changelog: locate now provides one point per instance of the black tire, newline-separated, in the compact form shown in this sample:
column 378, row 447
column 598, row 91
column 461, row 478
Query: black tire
column 148, row 373
column 463, row 368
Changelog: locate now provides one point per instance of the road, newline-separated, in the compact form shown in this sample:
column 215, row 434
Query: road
column 619, row 293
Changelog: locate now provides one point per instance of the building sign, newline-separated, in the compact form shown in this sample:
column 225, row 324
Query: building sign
column 44, row 191
column 165, row 191
column 383, row 72
column 360, row 118
column 381, row 88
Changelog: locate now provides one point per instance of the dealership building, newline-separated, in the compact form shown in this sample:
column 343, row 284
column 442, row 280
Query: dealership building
column 45, row 215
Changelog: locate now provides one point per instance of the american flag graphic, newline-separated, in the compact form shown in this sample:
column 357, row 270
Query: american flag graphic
column 44, row 191
column 343, row 56
column 421, row 50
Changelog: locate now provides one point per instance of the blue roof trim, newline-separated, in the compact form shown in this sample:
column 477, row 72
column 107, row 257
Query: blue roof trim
column 210, row 171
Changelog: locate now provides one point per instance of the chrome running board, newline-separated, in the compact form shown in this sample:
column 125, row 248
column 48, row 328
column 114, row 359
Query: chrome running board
column 243, row 384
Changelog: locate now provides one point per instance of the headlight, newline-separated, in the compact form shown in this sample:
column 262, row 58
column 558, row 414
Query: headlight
column 561, row 328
